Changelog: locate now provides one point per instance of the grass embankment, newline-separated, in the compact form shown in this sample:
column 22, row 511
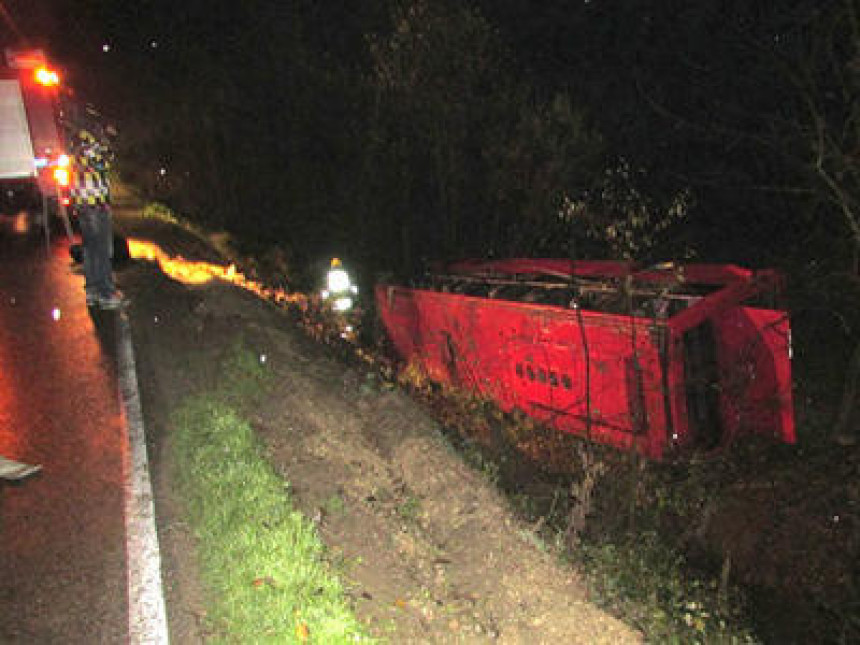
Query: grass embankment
column 636, row 575
column 263, row 565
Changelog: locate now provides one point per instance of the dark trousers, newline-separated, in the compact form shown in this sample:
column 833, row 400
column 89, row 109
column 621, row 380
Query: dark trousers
column 97, row 235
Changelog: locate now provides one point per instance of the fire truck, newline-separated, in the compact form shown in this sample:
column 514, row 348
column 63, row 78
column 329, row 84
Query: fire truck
column 34, row 169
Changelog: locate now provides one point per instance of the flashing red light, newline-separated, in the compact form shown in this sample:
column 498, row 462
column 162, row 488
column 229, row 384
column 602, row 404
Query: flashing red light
column 61, row 170
column 61, row 176
column 46, row 77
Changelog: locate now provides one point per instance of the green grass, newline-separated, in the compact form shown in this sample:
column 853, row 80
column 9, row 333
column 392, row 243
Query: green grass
column 264, row 567
column 410, row 509
column 157, row 210
column 161, row 212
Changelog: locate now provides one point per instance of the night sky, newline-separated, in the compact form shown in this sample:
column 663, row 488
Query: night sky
column 453, row 128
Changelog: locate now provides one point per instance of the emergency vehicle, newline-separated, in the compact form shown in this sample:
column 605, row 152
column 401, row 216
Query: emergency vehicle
column 34, row 168
column 658, row 360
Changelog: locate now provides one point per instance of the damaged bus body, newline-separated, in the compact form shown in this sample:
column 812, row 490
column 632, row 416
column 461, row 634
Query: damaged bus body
column 657, row 360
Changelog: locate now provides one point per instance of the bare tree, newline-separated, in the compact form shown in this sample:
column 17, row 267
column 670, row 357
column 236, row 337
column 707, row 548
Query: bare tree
column 825, row 78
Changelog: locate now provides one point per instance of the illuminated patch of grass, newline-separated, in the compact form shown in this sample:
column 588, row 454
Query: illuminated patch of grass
column 161, row 212
column 157, row 210
column 262, row 562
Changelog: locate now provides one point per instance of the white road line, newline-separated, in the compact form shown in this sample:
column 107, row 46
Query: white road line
column 147, row 616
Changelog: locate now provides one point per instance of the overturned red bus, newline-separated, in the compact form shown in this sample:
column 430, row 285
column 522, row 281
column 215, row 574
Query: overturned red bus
column 654, row 360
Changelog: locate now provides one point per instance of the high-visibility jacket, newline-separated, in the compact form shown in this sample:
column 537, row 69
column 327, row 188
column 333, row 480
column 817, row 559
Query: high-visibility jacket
column 90, row 184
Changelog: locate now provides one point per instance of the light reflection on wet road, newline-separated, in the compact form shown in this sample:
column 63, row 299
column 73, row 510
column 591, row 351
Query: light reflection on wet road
column 62, row 542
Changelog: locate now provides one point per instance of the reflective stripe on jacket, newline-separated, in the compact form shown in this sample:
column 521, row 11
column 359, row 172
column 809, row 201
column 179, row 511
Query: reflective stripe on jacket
column 89, row 184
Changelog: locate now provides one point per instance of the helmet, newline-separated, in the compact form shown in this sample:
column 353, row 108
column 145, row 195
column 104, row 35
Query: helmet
column 335, row 263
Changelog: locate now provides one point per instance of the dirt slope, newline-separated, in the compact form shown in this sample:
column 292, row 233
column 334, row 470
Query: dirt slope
column 431, row 552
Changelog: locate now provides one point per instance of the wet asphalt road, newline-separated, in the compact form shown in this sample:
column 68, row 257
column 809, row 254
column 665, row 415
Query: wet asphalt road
column 62, row 533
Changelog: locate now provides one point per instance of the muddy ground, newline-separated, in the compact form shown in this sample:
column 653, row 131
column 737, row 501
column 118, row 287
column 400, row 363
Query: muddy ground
column 431, row 551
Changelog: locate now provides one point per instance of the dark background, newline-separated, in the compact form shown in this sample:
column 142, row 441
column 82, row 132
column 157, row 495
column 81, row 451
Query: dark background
column 396, row 133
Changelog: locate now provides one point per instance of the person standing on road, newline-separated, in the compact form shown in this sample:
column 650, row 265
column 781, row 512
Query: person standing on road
column 90, row 196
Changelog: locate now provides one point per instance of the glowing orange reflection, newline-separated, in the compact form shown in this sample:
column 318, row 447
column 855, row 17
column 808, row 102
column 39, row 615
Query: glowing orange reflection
column 195, row 272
